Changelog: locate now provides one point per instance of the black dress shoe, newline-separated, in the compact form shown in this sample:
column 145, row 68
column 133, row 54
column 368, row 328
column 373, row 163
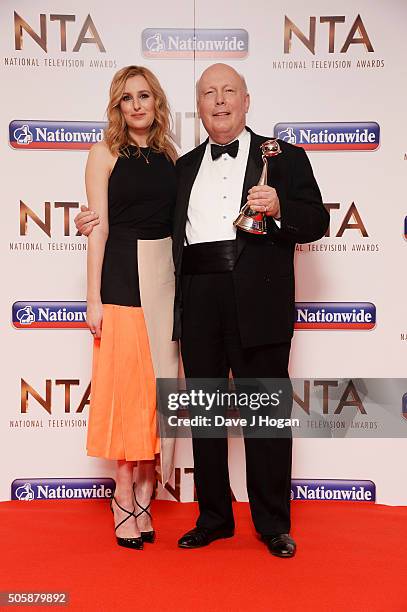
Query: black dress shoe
column 281, row 545
column 135, row 543
column 199, row 536
column 148, row 536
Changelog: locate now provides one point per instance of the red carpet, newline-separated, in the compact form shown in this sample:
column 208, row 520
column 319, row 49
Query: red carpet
column 351, row 557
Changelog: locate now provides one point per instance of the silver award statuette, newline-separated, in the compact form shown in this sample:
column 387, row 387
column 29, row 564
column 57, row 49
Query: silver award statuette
column 250, row 220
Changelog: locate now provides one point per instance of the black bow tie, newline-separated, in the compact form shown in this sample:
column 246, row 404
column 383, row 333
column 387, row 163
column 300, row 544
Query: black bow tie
column 231, row 148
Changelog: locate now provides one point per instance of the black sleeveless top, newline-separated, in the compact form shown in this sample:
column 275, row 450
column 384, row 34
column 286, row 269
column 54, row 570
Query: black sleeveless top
column 141, row 200
column 142, row 195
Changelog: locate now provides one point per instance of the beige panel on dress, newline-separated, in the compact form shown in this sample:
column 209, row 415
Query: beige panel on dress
column 157, row 287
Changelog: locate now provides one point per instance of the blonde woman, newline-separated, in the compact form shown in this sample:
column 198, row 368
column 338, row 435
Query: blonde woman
column 131, row 185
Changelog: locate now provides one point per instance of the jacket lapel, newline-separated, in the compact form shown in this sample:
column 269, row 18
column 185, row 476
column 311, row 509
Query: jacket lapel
column 253, row 171
column 254, row 166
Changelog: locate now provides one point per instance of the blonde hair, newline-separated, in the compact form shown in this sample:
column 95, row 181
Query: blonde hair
column 116, row 133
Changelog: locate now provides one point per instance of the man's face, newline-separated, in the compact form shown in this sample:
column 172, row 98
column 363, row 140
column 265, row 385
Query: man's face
column 222, row 103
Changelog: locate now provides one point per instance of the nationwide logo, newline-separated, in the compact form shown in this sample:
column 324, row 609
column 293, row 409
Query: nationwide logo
column 54, row 488
column 45, row 315
column 191, row 43
column 31, row 134
column 338, row 490
column 330, row 136
column 335, row 315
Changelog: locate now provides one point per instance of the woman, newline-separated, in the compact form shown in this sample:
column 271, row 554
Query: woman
column 130, row 183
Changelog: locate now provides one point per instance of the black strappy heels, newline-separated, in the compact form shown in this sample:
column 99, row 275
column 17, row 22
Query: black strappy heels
column 136, row 543
column 147, row 536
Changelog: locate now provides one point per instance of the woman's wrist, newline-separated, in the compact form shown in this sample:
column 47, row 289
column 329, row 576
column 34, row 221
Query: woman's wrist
column 92, row 300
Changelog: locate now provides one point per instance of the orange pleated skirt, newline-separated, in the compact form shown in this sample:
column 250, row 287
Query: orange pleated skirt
column 122, row 417
column 135, row 349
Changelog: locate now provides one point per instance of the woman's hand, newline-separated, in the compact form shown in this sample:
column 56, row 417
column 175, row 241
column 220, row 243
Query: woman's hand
column 94, row 317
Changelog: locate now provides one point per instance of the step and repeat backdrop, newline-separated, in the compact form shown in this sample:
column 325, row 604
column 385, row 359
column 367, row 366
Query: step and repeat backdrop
column 327, row 76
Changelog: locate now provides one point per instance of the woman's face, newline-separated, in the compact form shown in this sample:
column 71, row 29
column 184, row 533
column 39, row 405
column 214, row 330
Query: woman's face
column 137, row 105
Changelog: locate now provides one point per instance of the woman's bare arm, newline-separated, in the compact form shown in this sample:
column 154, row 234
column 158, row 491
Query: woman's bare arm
column 98, row 168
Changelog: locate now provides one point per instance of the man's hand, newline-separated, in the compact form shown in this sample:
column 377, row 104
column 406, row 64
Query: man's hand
column 86, row 220
column 263, row 198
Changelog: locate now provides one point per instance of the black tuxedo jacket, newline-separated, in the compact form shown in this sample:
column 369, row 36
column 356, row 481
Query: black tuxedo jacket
column 264, row 272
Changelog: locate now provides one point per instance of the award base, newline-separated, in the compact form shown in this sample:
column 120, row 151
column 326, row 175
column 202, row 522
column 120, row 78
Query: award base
column 255, row 224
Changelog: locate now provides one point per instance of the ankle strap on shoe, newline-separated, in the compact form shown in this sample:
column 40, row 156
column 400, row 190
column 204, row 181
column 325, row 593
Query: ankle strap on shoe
column 143, row 510
column 128, row 512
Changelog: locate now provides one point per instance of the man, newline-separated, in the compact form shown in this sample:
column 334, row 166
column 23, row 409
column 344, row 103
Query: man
column 234, row 305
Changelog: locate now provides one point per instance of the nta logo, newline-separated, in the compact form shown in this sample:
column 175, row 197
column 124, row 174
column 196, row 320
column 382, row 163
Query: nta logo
column 356, row 35
column 31, row 134
column 186, row 43
column 335, row 315
column 45, row 315
column 352, row 136
column 53, row 401
column 53, row 488
column 88, row 33
column 351, row 221
column 45, row 224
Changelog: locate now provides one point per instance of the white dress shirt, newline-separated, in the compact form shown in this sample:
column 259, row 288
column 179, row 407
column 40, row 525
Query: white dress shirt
column 216, row 195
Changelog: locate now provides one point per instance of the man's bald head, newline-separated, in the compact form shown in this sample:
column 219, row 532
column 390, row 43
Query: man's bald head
column 223, row 102
column 217, row 67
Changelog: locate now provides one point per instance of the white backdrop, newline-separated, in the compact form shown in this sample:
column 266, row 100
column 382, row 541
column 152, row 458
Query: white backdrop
column 56, row 66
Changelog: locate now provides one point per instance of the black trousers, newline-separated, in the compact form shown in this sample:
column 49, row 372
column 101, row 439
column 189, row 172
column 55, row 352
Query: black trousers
column 211, row 346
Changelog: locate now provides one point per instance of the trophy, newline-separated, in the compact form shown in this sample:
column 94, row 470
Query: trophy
column 250, row 220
